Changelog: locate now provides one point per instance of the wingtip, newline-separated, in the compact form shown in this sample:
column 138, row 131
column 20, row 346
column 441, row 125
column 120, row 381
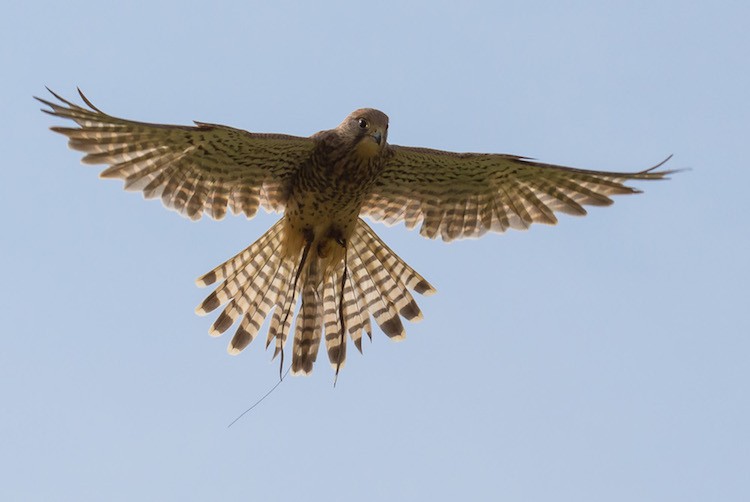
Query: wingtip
column 662, row 175
column 669, row 157
column 54, row 93
column 60, row 98
column 87, row 101
column 45, row 103
column 67, row 102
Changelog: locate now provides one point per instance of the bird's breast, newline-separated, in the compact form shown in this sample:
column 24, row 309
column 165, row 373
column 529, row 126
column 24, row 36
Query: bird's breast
column 324, row 203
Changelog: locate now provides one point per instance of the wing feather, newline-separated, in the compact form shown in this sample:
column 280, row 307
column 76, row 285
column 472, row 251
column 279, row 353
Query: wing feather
column 457, row 195
column 206, row 168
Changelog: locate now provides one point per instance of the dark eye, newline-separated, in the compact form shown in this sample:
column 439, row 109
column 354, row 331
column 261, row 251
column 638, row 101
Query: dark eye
column 363, row 124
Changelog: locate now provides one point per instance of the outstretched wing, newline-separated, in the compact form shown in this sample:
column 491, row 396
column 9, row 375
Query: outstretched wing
column 194, row 169
column 457, row 195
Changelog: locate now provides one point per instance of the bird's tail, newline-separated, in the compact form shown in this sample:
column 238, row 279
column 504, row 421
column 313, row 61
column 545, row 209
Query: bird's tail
column 337, row 299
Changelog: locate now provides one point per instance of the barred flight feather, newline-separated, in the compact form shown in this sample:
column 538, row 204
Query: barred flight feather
column 184, row 165
column 459, row 195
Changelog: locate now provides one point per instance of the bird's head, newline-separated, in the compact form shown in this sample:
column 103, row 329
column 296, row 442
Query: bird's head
column 368, row 130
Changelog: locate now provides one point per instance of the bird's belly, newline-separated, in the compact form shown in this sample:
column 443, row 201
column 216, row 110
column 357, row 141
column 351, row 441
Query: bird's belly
column 325, row 221
column 323, row 213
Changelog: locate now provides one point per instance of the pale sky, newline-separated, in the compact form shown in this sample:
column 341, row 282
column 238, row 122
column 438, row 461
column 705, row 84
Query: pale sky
column 605, row 358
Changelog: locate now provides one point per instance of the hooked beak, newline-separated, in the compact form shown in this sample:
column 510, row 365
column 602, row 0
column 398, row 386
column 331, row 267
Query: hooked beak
column 378, row 137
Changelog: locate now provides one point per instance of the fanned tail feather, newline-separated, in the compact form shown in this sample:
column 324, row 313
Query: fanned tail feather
column 238, row 262
column 336, row 320
column 308, row 326
column 282, row 318
column 261, row 279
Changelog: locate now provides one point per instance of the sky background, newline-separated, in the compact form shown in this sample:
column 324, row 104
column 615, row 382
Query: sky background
column 605, row 358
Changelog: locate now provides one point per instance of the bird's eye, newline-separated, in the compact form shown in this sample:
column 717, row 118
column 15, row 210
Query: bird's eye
column 363, row 124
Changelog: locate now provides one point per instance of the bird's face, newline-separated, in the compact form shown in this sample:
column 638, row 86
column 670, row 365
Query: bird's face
column 368, row 129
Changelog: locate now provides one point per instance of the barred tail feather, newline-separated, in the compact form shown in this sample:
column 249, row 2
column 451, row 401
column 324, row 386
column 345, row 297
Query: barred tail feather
column 309, row 322
column 281, row 321
column 393, row 262
column 336, row 302
column 334, row 316
column 254, row 316
column 356, row 314
column 238, row 262
column 378, row 305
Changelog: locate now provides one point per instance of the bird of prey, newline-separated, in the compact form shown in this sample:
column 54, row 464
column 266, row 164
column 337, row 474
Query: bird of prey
column 321, row 249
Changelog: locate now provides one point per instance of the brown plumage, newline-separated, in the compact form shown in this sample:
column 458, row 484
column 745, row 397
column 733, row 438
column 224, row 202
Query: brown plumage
column 321, row 250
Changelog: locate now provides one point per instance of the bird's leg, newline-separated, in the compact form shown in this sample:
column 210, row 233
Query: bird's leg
column 309, row 237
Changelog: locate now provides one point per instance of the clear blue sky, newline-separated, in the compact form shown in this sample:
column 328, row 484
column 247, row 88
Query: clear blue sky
column 605, row 358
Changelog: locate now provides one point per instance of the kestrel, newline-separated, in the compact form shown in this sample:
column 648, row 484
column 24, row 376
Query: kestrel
column 324, row 184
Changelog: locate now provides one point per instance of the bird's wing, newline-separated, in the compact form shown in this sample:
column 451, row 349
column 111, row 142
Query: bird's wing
column 455, row 195
column 194, row 169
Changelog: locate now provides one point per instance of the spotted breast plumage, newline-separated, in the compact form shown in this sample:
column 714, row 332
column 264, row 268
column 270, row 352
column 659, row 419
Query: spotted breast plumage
column 321, row 250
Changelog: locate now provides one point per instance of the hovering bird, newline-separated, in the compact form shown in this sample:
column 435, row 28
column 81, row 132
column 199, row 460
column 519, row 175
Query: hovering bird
column 321, row 249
